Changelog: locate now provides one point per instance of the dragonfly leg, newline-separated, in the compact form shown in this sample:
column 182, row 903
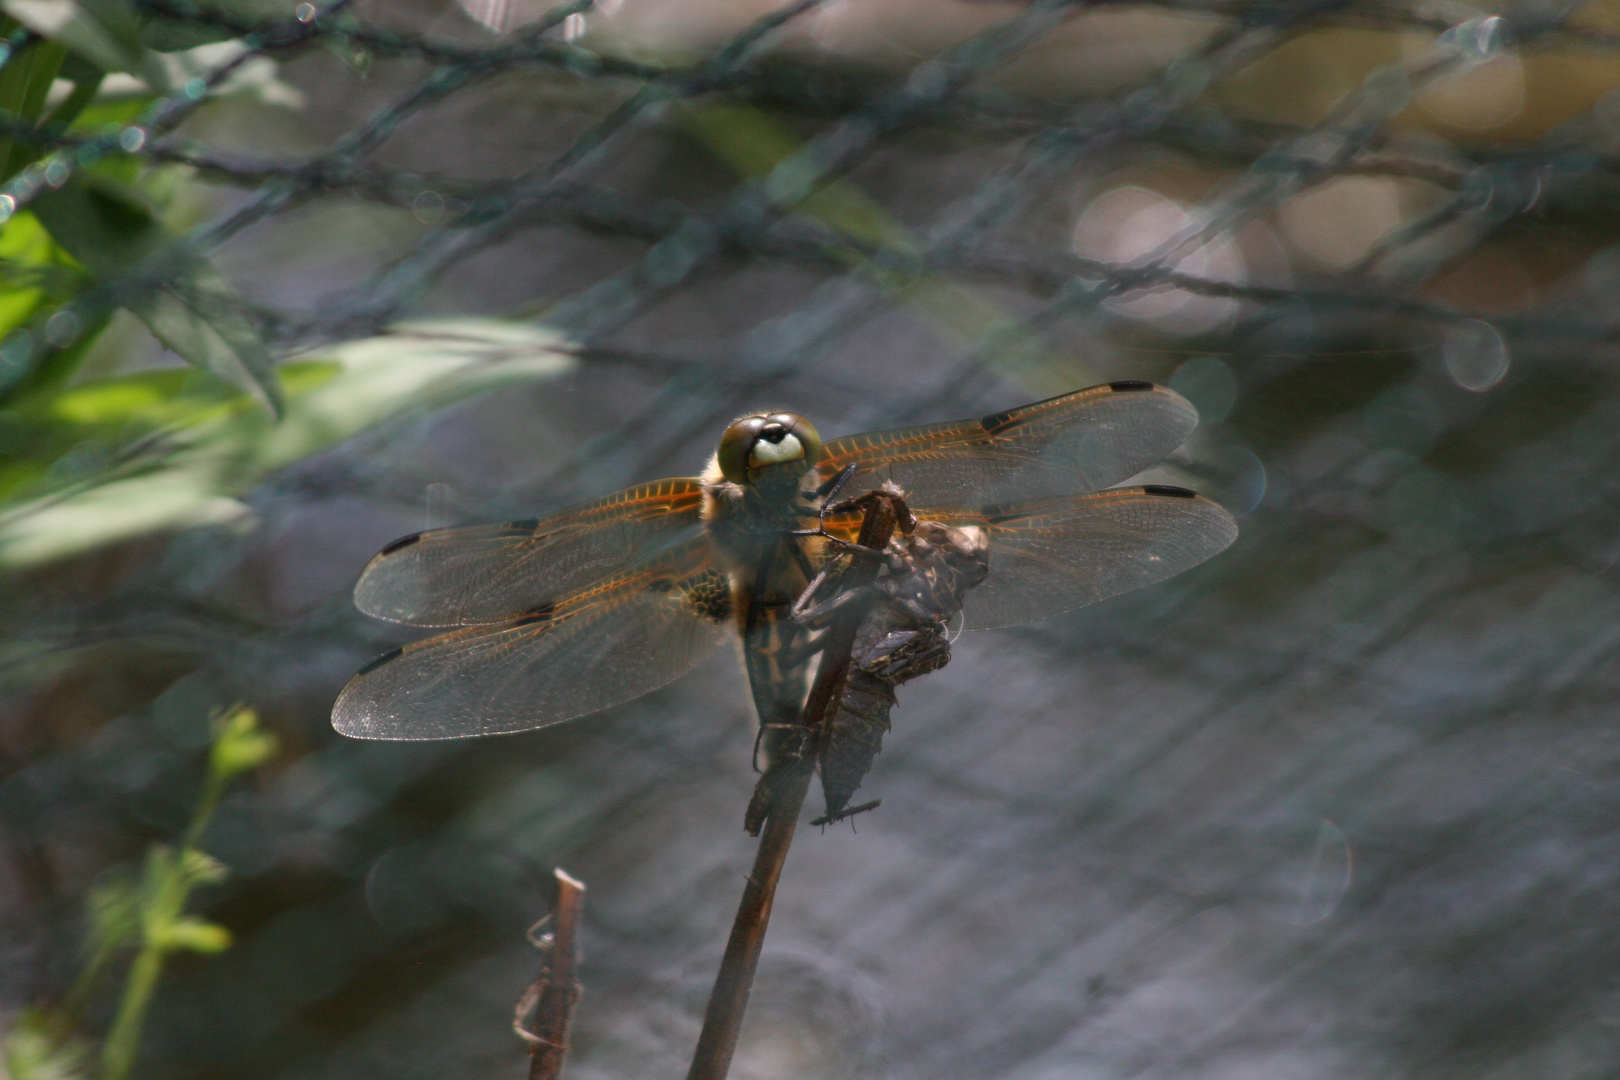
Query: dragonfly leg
column 761, row 586
column 828, row 491
column 802, row 560
column 759, row 739
column 848, row 812
column 800, row 611
column 789, row 752
column 802, row 652
column 838, row 544
column 904, row 521
column 807, row 614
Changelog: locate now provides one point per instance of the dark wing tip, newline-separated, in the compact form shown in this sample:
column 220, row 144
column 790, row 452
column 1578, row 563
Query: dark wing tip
column 402, row 542
column 1125, row 386
column 1169, row 490
column 381, row 660
column 539, row 613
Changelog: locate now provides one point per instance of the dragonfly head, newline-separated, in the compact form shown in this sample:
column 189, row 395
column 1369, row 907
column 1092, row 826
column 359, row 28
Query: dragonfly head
column 765, row 441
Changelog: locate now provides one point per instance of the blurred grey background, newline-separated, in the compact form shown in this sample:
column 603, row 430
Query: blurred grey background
column 1340, row 803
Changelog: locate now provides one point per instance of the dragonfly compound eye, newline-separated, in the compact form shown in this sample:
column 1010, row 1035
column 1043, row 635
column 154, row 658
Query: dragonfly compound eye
column 766, row 439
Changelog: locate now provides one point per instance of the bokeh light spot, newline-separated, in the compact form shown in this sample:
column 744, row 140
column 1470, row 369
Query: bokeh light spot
column 428, row 207
column 62, row 329
column 1475, row 355
column 1209, row 384
column 1129, row 223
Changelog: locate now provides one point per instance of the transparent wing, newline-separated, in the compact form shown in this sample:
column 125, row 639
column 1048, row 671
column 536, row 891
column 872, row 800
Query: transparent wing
column 601, row 646
column 492, row 573
column 1078, row 442
column 1054, row 555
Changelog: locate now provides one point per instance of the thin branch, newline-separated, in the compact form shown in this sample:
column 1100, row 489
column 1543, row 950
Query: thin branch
column 729, row 1000
column 555, row 991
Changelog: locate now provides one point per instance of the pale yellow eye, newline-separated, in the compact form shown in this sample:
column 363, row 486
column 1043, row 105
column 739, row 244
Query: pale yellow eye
column 764, row 440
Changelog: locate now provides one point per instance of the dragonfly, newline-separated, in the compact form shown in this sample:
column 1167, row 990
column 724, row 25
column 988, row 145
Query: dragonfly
column 551, row 618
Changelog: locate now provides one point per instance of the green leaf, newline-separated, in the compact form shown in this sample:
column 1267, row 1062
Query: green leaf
column 114, row 111
column 104, row 225
column 202, row 466
column 117, row 401
column 28, row 256
column 32, row 369
column 156, row 875
column 104, row 32
column 152, row 399
column 85, row 85
column 179, row 295
column 24, row 83
column 199, row 316
column 106, row 416
column 33, row 1051
column 199, row 868
column 240, row 745
column 194, row 934
column 167, row 34
column 115, row 914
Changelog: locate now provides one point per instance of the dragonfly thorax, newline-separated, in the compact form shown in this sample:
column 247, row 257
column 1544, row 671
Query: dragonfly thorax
column 758, row 486
column 745, row 519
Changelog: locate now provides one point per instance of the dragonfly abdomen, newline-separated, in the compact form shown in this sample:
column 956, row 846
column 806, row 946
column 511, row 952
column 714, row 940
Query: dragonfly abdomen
column 901, row 638
column 854, row 735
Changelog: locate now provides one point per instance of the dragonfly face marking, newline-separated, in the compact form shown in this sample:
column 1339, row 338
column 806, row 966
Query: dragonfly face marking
column 560, row 616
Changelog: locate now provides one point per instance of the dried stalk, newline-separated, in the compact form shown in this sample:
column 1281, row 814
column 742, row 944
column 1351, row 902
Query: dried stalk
column 729, row 1000
column 555, row 991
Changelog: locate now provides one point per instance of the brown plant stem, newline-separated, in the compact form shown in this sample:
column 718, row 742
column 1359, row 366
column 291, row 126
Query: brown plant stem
column 722, row 1022
column 556, row 988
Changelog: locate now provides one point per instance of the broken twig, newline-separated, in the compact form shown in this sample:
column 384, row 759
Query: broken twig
column 554, row 992
column 784, row 794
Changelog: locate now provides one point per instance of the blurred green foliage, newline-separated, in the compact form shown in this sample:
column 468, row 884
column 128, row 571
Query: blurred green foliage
column 64, row 264
column 101, row 214
column 110, row 459
column 146, row 914
column 86, row 461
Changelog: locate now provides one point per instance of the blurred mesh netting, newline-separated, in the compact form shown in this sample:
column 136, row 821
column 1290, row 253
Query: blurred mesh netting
column 1339, row 803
